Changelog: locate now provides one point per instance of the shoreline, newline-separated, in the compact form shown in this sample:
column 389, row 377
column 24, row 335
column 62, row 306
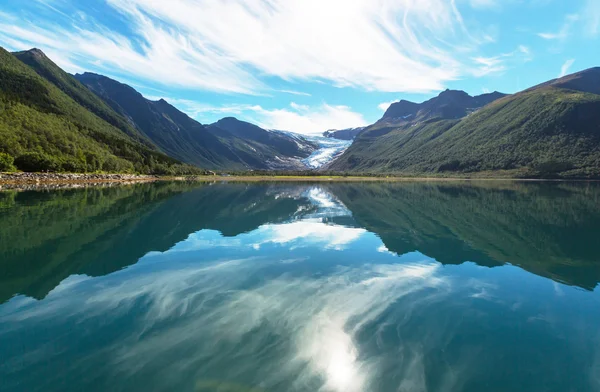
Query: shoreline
column 33, row 181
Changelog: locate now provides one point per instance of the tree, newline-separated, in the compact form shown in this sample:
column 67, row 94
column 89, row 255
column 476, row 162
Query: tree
column 37, row 162
column 6, row 162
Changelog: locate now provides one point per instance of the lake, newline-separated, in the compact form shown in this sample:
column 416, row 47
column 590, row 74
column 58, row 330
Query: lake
column 341, row 287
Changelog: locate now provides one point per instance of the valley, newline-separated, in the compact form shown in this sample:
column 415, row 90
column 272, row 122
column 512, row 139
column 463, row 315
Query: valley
column 54, row 121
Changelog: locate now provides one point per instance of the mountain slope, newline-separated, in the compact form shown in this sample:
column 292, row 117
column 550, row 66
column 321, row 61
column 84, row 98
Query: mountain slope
column 227, row 145
column 172, row 131
column 47, row 69
column 45, row 129
column 547, row 131
column 483, row 222
column 278, row 149
column 343, row 134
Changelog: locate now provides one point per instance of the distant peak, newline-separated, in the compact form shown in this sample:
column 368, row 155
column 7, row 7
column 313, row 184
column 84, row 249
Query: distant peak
column 492, row 94
column 37, row 52
column 163, row 102
column 34, row 52
column 450, row 93
column 89, row 75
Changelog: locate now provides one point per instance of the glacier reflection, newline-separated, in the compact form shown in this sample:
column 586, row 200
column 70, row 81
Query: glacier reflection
column 306, row 304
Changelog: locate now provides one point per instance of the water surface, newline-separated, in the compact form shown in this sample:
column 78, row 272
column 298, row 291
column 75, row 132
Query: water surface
column 291, row 287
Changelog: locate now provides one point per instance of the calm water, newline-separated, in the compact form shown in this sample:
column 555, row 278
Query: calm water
column 333, row 287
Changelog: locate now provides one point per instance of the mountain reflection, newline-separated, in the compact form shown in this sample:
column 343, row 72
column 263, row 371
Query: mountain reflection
column 548, row 229
column 283, row 287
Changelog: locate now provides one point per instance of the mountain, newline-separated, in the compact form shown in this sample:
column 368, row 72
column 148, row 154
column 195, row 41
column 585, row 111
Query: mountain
column 587, row 81
column 550, row 130
column 544, row 228
column 278, row 148
column 172, row 131
column 450, row 104
column 129, row 222
column 227, row 145
column 44, row 128
column 47, row 69
column 343, row 134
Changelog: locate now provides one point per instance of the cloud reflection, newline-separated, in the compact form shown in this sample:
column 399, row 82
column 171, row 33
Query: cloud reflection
column 208, row 308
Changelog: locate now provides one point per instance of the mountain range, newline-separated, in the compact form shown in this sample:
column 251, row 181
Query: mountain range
column 433, row 218
column 51, row 120
column 226, row 145
column 550, row 130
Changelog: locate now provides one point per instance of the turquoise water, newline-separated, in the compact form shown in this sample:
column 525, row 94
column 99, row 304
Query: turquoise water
column 291, row 287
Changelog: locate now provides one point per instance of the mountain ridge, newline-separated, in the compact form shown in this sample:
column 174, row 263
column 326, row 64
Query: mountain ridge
column 42, row 128
column 180, row 136
column 343, row 134
column 551, row 130
column 449, row 104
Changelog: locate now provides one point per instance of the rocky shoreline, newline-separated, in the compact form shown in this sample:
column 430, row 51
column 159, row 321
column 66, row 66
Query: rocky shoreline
column 67, row 180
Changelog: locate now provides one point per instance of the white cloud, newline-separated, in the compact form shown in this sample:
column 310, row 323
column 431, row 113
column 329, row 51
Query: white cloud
column 308, row 120
column 488, row 65
column 384, row 45
column 310, row 233
column 551, row 35
column 565, row 67
column 296, row 93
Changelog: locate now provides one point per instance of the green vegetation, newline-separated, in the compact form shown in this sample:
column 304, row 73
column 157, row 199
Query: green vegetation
column 50, row 235
column 545, row 228
column 546, row 132
column 46, row 130
column 47, row 69
column 6, row 163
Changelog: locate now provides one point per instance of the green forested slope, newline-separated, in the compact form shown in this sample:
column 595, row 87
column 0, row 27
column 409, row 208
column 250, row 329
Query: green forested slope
column 43, row 128
column 547, row 131
column 47, row 69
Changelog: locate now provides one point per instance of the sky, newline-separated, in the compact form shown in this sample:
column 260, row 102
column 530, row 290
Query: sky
column 308, row 65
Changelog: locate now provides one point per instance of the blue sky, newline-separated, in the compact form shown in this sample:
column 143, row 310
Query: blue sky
column 308, row 65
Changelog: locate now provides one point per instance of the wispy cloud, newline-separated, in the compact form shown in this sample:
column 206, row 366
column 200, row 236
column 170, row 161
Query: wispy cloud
column 383, row 45
column 295, row 93
column 564, row 31
column 489, row 65
column 566, row 67
column 591, row 17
